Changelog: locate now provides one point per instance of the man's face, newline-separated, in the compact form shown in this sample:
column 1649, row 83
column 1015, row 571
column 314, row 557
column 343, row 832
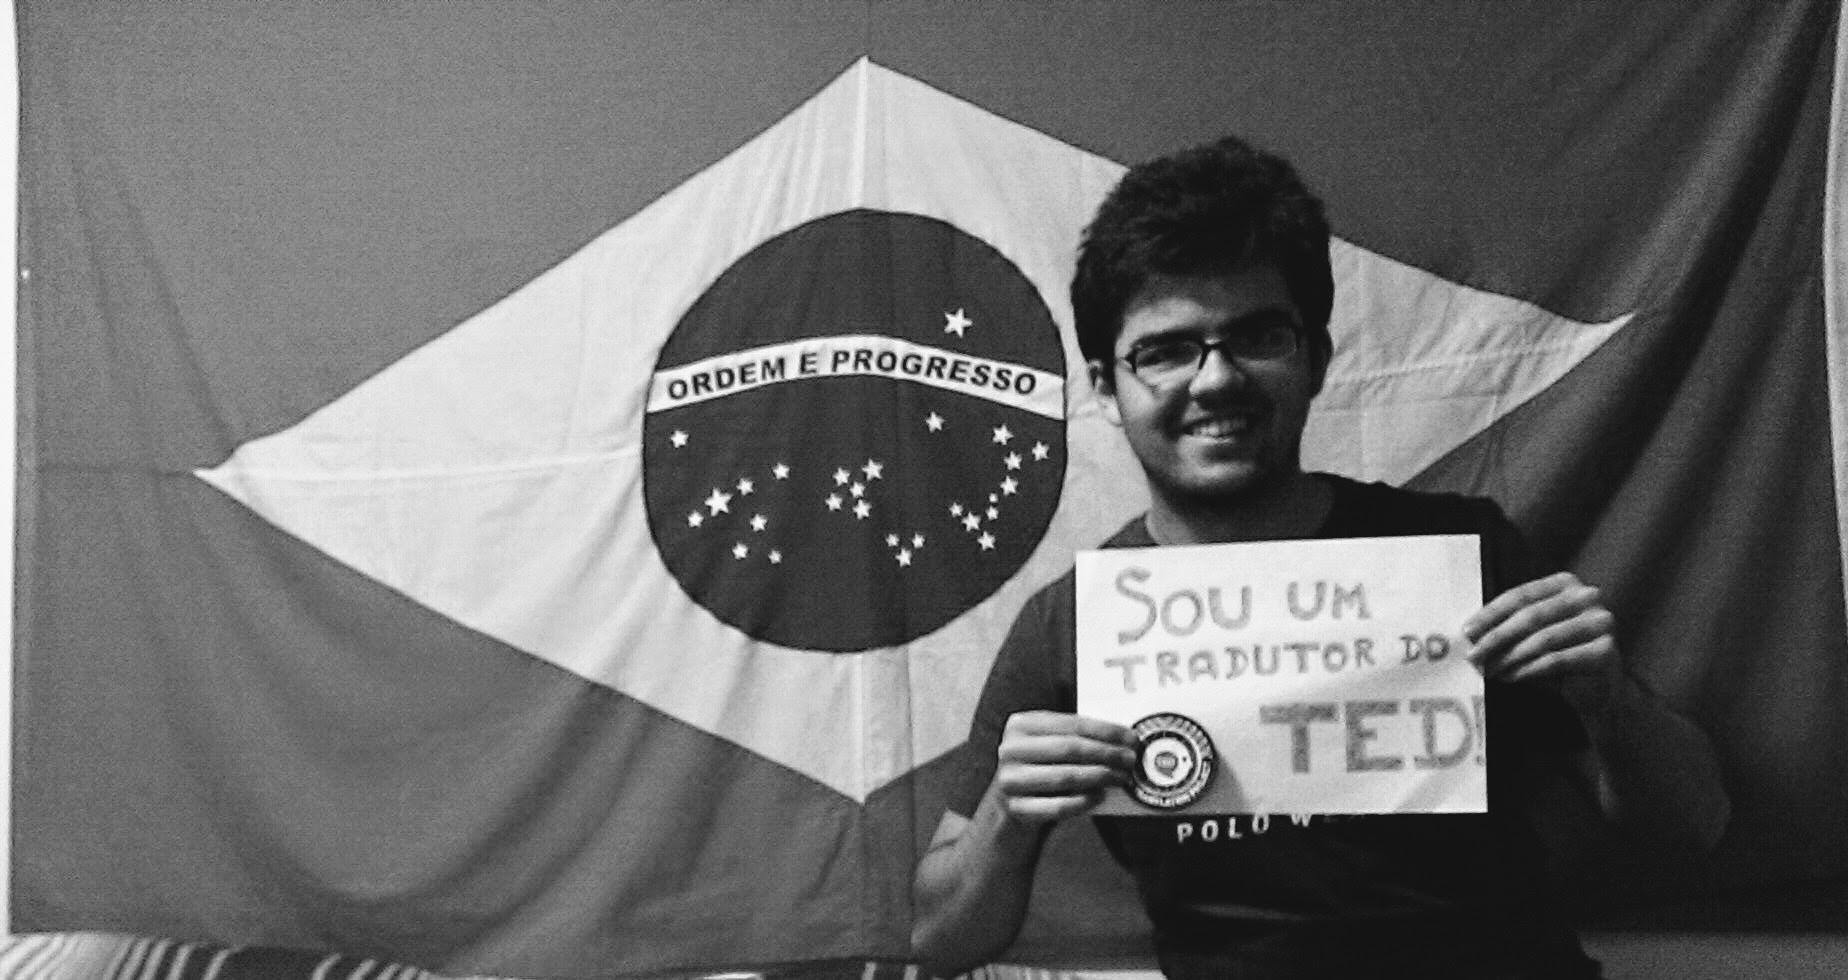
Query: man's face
column 1234, row 427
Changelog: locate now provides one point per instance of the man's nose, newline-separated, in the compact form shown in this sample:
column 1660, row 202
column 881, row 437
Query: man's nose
column 1219, row 371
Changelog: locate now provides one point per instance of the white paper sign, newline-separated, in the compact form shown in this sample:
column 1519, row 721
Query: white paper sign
column 1322, row 676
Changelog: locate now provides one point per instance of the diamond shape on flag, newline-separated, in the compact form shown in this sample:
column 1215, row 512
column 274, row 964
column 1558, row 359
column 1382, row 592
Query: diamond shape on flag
column 546, row 472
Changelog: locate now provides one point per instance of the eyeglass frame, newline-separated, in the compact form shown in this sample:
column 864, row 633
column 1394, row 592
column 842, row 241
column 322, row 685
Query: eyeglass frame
column 1298, row 337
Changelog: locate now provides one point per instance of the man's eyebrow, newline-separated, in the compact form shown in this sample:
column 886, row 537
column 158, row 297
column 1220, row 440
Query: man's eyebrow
column 1245, row 321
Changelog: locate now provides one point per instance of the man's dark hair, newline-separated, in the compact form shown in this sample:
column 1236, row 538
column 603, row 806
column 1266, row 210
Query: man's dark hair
column 1205, row 210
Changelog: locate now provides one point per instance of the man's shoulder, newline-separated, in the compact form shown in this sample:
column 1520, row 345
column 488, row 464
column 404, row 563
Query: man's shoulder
column 1055, row 597
column 1378, row 509
column 1133, row 534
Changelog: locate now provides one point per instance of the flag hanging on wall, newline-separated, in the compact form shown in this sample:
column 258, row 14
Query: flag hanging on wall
column 537, row 490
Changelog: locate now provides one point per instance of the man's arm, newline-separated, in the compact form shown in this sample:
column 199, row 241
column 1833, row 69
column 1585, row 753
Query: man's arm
column 972, row 886
column 1650, row 770
column 971, row 889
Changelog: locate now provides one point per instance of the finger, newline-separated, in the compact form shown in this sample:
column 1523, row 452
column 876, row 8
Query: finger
column 1530, row 619
column 1586, row 658
column 1515, row 599
column 1064, row 750
column 1062, row 723
column 1045, row 809
column 1034, row 780
column 1584, row 627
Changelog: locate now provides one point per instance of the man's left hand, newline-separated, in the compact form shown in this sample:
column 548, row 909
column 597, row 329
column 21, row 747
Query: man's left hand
column 1551, row 628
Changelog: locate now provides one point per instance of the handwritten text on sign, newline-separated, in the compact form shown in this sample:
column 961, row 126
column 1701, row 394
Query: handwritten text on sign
column 1322, row 676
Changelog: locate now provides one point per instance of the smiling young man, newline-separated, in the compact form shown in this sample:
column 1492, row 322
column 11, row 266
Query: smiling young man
column 1202, row 299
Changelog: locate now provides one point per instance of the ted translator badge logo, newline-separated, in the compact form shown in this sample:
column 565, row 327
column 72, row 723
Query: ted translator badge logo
column 856, row 434
column 1174, row 761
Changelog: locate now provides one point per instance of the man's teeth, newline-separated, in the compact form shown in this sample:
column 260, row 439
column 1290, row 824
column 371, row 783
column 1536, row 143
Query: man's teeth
column 1220, row 427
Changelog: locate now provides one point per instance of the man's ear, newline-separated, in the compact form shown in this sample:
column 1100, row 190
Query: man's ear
column 1103, row 385
column 1319, row 357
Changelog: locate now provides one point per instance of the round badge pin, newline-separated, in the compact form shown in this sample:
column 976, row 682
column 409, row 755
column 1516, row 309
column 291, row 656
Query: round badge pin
column 1175, row 761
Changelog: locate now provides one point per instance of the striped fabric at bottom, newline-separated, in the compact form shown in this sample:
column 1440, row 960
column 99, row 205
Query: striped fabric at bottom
column 97, row 956
column 103, row 956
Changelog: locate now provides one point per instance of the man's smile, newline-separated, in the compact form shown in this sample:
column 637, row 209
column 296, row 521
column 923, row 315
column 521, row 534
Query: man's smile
column 1224, row 426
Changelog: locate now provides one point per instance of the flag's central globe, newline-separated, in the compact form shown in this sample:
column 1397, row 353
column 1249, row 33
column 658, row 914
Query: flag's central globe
column 856, row 434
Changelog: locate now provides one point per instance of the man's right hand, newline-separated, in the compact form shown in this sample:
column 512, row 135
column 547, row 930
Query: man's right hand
column 1051, row 765
column 973, row 883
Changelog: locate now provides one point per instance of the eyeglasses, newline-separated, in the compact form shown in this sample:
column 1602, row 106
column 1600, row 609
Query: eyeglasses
column 1173, row 360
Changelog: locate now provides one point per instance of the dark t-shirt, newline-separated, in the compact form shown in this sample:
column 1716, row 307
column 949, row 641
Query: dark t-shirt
column 1298, row 895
